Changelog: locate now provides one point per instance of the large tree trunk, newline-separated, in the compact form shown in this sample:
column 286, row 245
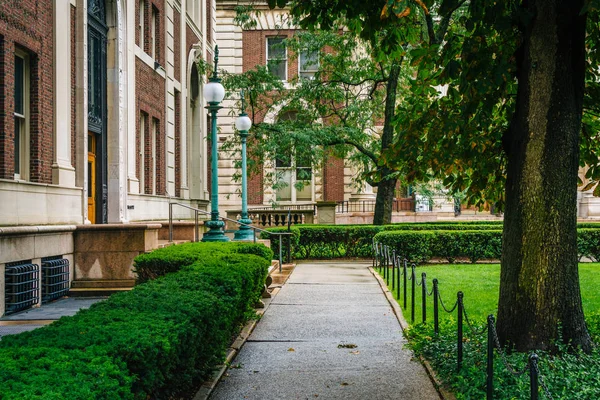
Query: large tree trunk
column 384, row 202
column 385, row 189
column 540, row 299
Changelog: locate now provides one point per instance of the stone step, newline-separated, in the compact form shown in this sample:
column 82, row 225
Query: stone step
column 96, row 292
column 166, row 243
column 103, row 283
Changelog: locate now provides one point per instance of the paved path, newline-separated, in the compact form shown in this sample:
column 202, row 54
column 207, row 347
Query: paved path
column 303, row 347
column 39, row 316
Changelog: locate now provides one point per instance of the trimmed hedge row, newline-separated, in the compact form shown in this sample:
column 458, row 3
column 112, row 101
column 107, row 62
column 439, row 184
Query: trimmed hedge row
column 421, row 246
column 170, row 259
column 474, row 241
column 161, row 338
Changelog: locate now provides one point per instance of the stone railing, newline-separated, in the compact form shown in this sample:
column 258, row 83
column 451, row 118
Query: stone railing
column 273, row 217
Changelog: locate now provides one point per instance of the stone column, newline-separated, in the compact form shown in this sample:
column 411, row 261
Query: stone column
column 326, row 212
column 63, row 172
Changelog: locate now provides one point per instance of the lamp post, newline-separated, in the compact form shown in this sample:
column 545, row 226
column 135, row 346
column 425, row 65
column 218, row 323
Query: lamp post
column 243, row 124
column 214, row 93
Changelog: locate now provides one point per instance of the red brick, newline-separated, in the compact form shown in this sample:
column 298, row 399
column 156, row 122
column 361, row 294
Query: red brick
column 28, row 24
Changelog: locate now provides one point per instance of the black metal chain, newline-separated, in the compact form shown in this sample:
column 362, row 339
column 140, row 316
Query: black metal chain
column 473, row 331
column 444, row 307
column 546, row 391
column 428, row 293
column 503, row 356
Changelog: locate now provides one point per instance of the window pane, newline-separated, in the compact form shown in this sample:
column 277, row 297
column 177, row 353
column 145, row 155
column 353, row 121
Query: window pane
column 275, row 48
column 284, row 183
column 19, row 87
column 309, row 61
column 305, row 193
column 18, row 128
column 278, row 68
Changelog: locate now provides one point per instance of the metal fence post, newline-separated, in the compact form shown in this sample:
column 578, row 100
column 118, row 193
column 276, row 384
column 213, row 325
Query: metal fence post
column 398, row 275
column 459, row 358
column 196, row 231
column 533, row 375
column 490, row 358
column 393, row 270
column 424, row 296
column 404, row 271
column 280, row 256
column 170, row 222
column 436, row 315
column 413, row 277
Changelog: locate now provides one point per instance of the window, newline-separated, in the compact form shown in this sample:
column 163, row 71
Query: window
column 142, row 14
column 293, row 173
column 277, row 57
column 154, row 154
column 155, row 27
column 21, row 115
column 193, row 10
column 142, row 151
column 309, row 64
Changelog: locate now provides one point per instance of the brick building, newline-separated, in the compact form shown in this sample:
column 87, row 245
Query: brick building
column 101, row 123
column 241, row 50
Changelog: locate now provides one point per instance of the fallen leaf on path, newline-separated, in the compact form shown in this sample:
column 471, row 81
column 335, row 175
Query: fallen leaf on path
column 347, row 346
column 291, row 349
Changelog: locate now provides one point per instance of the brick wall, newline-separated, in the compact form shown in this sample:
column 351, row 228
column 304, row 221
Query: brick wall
column 150, row 92
column 177, row 143
column 28, row 25
column 177, row 41
column 159, row 6
column 254, row 50
column 333, row 179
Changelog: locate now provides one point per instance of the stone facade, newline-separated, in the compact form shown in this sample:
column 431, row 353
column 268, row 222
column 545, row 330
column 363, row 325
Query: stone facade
column 240, row 51
column 73, row 165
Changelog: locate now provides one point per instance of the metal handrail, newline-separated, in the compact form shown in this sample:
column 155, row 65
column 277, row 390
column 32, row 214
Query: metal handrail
column 197, row 233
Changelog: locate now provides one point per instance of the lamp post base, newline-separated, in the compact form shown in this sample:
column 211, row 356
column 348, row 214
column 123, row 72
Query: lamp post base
column 215, row 233
column 245, row 233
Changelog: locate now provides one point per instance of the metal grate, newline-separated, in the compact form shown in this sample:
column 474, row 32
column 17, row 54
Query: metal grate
column 21, row 285
column 55, row 278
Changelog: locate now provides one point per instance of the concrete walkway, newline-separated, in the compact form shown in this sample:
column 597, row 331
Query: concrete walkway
column 39, row 316
column 329, row 334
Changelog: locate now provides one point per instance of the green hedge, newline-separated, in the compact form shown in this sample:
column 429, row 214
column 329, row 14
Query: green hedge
column 474, row 240
column 421, row 246
column 170, row 259
column 161, row 338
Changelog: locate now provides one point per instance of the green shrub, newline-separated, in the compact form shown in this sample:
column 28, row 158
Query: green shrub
column 567, row 375
column 474, row 240
column 163, row 335
column 160, row 262
column 56, row 374
column 588, row 243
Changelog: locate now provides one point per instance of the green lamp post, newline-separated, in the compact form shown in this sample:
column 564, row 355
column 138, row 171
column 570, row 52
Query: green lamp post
column 214, row 93
column 243, row 124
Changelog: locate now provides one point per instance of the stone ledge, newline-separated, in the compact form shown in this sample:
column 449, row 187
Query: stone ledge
column 35, row 229
column 118, row 227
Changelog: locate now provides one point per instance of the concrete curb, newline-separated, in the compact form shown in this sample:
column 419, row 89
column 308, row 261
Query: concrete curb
column 208, row 386
column 444, row 394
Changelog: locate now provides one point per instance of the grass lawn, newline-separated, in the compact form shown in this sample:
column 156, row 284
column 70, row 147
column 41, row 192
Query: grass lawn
column 480, row 285
column 568, row 376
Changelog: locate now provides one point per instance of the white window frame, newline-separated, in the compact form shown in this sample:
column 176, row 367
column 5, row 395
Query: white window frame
column 308, row 73
column 154, row 136
column 142, row 5
column 154, row 32
column 142, row 152
column 293, row 170
column 24, row 132
column 193, row 8
column 284, row 60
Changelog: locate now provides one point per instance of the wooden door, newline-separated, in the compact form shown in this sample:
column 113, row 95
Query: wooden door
column 92, row 177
